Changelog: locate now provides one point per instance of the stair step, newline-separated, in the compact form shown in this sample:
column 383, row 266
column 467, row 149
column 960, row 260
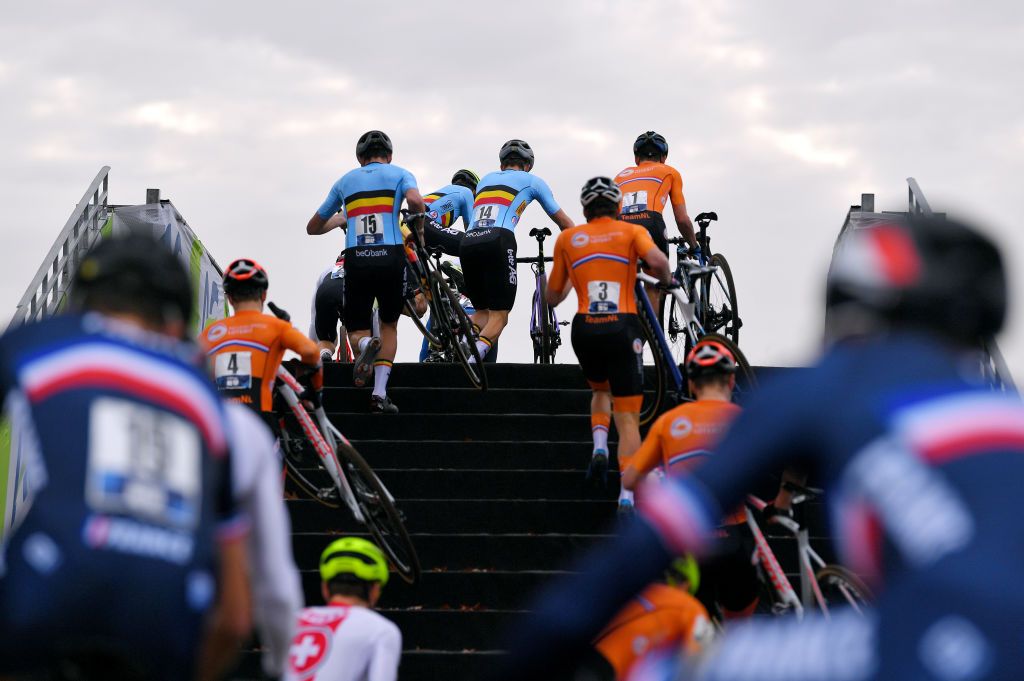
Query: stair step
column 498, row 516
column 491, row 455
column 438, row 629
column 466, row 427
column 462, row 400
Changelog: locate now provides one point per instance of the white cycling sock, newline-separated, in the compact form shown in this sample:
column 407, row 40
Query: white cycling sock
column 600, row 437
column 625, row 495
column 381, row 373
column 363, row 342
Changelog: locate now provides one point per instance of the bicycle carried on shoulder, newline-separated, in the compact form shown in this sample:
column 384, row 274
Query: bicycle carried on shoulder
column 325, row 466
column 451, row 330
column 544, row 331
column 822, row 586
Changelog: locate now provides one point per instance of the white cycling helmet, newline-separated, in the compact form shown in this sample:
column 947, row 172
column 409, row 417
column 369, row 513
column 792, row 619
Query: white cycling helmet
column 600, row 188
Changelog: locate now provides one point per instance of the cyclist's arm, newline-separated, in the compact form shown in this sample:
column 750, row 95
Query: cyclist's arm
column 308, row 352
column 230, row 622
column 321, row 218
column 562, row 219
column 651, row 254
column 387, row 650
column 558, row 284
column 683, row 221
column 542, row 193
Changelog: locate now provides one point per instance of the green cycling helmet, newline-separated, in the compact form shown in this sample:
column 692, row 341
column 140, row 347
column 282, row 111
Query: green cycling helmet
column 354, row 556
column 684, row 570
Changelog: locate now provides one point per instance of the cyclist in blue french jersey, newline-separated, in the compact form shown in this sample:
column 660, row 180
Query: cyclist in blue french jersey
column 488, row 251
column 922, row 460
column 445, row 207
column 132, row 529
column 371, row 200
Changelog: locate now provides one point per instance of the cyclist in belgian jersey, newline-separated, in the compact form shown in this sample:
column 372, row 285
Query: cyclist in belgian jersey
column 131, row 552
column 646, row 188
column 599, row 259
column 664, row 617
column 488, row 252
column 920, row 456
column 346, row 640
column 246, row 349
column 445, row 207
column 371, row 199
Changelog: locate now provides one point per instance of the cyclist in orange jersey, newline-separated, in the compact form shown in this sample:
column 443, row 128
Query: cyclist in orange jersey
column 599, row 259
column 646, row 188
column 246, row 349
column 662, row 617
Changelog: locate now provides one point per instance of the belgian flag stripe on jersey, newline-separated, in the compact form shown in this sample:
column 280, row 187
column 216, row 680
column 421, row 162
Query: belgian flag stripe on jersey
column 497, row 193
column 365, row 203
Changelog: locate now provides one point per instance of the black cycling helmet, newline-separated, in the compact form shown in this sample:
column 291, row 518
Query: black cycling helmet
column 466, row 178
column 709, row 357
column 650, row 143
column 925, row 272
column 244, row 276
column 600, row 188
column 373, row 143
column 134, row 273
column 516, row 149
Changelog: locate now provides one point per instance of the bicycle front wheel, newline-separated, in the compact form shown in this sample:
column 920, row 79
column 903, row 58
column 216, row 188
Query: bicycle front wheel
column 457, row 328
column 840, row 588
column 383, row 520
column 302, row 464
column 720, row 311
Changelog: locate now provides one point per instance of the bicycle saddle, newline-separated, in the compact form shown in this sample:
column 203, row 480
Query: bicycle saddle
column 541, row 232
column 707, row 218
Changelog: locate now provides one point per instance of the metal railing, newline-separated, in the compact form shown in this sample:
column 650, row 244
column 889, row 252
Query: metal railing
column 916, row 203
column 46, row 292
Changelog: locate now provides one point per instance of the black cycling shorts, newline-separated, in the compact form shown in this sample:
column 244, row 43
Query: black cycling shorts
column 448, row 239
column 329, row 307
column 610, row 349
column 489, row 265
column 373, row 272
column 654, row 223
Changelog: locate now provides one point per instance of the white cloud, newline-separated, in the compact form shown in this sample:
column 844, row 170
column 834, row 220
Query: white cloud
column 172, row 117
column 806, row 145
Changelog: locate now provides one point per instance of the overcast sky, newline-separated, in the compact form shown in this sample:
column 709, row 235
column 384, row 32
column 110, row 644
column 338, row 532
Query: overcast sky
column 779, row 115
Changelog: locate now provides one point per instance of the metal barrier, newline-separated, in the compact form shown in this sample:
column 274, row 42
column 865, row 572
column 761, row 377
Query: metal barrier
column 46, row 292
column 916, row 203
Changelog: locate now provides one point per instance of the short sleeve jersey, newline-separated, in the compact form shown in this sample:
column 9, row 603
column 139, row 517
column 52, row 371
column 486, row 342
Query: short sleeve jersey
column 648, row 187
column 245, row 351
column 449, row 203
column 344, row 643
column 371, row 198
column 661, row 616
column 600, row 258
column 680, row 438
column 502, row 196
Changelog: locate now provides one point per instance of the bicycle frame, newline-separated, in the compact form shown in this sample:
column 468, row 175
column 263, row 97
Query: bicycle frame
column 810, row 592
column 659, row 333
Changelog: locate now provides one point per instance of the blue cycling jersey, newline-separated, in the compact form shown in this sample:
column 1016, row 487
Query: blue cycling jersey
column 449, row 203
column 371, row 198
column 128, row 475
column 502, row 196
column 922, row 467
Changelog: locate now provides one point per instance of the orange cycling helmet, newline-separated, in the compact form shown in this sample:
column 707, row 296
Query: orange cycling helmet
column 245, row 273
column 710, row 357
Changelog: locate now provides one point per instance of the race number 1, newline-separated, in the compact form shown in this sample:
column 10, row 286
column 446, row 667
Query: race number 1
column 634, row 202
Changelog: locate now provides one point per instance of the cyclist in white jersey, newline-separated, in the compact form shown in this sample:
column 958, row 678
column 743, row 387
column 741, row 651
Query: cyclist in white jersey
column 346, row 640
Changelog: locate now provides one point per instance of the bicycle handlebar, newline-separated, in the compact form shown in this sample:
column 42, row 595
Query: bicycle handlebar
column 278, row 312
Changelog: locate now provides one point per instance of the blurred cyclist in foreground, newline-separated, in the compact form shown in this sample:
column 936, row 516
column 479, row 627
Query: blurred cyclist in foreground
column 922, row 460
column 129, row 563
column 346, row 640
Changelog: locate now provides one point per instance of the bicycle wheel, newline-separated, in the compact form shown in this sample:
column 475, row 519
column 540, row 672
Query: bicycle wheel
column 840, row 587
column 719, row 310
column 421, row 325
column 457, row 329
column 382, row 518
column 302, row 465
column 746, row 380
column 655, row 377
column 543, row 343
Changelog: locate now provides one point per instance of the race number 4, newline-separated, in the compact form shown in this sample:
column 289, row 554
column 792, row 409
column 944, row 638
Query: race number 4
column 233, row 370
column 369, row 229
column 603, row 296
column 143, row 462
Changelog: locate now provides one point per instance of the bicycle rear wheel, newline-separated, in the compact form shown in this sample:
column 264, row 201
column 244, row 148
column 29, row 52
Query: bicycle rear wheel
column 457, row 328
column 432, row 339
column 720, row 311
column 840, row 587
column 655, row 374
column 746, row 380
column 382, row 518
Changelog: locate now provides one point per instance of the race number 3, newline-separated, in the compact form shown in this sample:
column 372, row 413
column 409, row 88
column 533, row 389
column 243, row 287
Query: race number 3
column 233, row 370
column 603, row 296
column 143, row 462
column 369, row 229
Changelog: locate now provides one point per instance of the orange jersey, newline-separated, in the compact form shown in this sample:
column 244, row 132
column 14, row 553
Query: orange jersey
column 648, row 186
column 246, row 350
column 682, row 436
column 600, row 259
column 660, row 617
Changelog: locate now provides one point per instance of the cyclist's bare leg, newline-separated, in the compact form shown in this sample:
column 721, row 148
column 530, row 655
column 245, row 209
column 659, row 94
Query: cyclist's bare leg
column 600, row 418
column 494, row 322
column 627, row 424
column 386, row 357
